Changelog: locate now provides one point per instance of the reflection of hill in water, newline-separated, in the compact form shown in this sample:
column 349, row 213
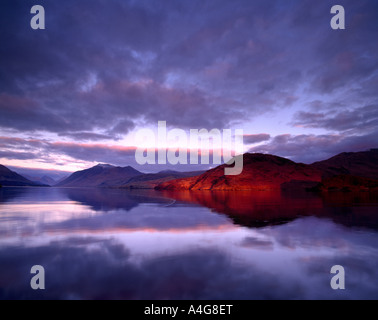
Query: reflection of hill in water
column 352, row 209
column 250, row 208
column 112, row 199
column 7, row 194
column 29, row 194
column 245, row 208
column 266, row 208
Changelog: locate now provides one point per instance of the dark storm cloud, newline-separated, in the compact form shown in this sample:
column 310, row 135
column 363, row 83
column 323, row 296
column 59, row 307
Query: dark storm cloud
column 90, row 70
column 102, row 68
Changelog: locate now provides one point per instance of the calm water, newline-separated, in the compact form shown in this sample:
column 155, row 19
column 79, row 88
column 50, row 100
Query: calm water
column 115, row 244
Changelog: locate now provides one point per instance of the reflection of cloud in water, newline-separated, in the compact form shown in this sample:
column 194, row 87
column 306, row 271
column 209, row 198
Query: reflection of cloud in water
column 102, row 269
column 141, row 247
column 311, row 233
column 80, row 210
column 255, row 243
column 142, row 219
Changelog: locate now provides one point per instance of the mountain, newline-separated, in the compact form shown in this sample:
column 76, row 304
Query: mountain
column 359, row 164
column 46, row 180
column 102, row 175
column 13, row 179
column 152, row 180
column 260, row 172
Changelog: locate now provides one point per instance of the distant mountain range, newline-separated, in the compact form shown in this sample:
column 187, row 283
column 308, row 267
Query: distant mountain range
column 105, row 175
column 45, row 180
column 346, row 171
column 11, row 178
column 102, row 175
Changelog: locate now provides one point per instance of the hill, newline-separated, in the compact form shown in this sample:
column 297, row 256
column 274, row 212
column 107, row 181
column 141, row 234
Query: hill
column 360, row 164
column 12, row 179
column 152, row 180
column 102, row 175
column 46, row 180
column 260, row 172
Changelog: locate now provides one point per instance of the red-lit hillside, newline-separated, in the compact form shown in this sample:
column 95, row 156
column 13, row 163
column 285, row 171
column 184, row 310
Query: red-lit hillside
column 260, row 172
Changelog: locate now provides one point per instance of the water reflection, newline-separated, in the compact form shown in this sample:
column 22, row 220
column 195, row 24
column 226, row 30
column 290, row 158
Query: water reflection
column 68, row 211
column 267, row 208
column 111, row 199
column 116, row 244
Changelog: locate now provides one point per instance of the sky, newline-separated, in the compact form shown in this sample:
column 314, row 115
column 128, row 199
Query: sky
column 75, row 94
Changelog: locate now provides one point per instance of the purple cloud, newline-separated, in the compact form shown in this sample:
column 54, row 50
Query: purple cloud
column 102, row 69
column 255, row 138
column 311, row 148
column 359, row 119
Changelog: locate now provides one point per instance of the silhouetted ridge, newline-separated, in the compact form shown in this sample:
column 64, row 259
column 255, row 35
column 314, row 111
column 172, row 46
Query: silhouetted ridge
column 12, row 179
column 360, row 164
